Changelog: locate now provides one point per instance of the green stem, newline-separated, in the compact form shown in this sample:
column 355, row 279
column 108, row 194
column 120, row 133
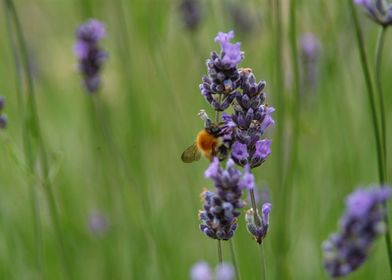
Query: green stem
column 220, row 258
column 254, row 206
column 370, row 91
column 378, row 56
column 234, row 258
column 33, row 130
column 27, row 145
column 258, row 224
column 278, row 47
column 262, row 264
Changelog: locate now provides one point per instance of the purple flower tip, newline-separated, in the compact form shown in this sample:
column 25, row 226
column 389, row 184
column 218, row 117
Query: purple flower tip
column 239, row 151
column 248, row 180
column 362, row 200
column 231, row 53
column 266, row 209
column 223, row 38
column 92, row 31
column 263, row 148
column 213, row 169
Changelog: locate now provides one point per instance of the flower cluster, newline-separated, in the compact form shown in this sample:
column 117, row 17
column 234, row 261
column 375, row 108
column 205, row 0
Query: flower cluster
column 3, row 118
column 221, row 209
column 202, row 271
column 241, row 135
column 378, row 10
column 361, row 224
column 89, row 53
column 250, row 119
column 219, row 87
column 190, row 11
column 258, row 226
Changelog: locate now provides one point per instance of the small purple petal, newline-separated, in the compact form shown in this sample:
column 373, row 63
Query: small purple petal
column 213, row 170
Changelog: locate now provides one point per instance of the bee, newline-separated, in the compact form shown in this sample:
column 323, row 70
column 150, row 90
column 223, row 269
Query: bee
column 209, row 142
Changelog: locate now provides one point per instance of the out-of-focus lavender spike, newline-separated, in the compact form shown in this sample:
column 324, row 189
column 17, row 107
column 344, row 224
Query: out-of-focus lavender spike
column 361, row 224
column 191, row 13
column 201, row 271
column 242, row 17
column 89, row 53
column 224, row 271
column 97, row 223
column 310, row 54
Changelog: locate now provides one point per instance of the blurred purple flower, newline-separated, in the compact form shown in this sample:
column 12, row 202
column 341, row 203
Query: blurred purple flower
column 224, row 271
column 258, row 225
column 202, row 271
column 310, row 54
column 191, row 13
column 97, row 223
column 89, row 54
column 360, row 225
column 378, row 10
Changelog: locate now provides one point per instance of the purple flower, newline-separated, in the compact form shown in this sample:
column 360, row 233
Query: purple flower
column 213, row 170
column 267, row 120
column 97, row 223
column 258, row 225
column 220, row 210
column 360, row 225
column 201, row 271
column 310, row 55
column 231, row 54
column 262, row 151
column 266, row 209
column 219, row 87
column 89, row 54
column 378, row 10
column 240, row 153
column 224, row 271
column 248, row 180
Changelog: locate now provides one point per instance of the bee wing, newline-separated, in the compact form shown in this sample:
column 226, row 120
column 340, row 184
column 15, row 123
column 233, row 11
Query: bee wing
column 191, row 154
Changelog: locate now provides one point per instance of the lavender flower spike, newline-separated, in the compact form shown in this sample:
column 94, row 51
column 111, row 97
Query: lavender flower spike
column 220, row 210
column 378, row 10
column 89, row 54
column 219, row 87
column 360, row 225
column 191, row 13
column 258, row 225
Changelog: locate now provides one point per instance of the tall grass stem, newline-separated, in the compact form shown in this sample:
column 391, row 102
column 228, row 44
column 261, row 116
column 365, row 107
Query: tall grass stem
column 377, row 70
column 234, row 259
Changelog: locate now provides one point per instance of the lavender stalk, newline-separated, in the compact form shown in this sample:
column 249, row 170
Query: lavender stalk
column 370, row 91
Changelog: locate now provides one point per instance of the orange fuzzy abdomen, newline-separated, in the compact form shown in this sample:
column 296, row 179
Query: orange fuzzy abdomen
column 206, row 143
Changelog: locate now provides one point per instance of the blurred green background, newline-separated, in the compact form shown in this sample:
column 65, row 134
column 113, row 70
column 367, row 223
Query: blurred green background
column 133, row 178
